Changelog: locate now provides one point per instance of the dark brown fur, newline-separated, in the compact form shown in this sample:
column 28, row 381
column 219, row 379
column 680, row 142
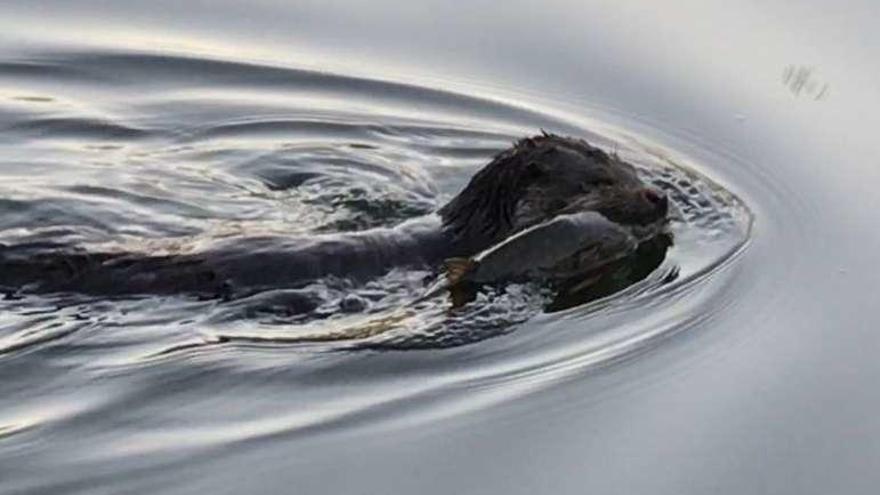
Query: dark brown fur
column 540, row 177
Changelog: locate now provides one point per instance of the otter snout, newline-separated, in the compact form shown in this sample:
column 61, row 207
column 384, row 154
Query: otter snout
column 657, row 199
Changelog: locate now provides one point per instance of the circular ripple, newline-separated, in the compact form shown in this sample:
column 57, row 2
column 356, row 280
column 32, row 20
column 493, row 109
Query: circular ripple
column 165, row 154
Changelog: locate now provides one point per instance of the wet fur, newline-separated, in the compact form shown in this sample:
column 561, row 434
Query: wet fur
column 510, row 193
column 532, row 181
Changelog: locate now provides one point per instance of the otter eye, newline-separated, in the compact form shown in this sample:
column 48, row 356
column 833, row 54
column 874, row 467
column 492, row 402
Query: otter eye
column 535, row 169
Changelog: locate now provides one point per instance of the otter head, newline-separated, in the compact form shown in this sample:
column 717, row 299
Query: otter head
column 544, row 176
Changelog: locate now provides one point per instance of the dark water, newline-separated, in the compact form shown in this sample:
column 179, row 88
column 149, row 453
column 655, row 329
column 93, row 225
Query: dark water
column 744, row 363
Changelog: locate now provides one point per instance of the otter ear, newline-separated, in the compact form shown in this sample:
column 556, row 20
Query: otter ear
column 536, row 169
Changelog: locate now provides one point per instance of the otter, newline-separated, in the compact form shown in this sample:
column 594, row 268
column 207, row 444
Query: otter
column 536, row 179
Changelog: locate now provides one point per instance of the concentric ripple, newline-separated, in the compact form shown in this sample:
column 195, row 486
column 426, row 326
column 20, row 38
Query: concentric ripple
column 166, row 153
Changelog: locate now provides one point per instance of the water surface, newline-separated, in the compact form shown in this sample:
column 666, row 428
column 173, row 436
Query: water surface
column 742, row 363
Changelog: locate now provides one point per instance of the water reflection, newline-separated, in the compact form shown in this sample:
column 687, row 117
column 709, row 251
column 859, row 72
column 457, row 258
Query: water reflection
column 154, row 151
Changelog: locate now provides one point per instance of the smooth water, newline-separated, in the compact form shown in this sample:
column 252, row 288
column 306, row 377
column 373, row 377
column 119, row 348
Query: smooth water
column 744, row 363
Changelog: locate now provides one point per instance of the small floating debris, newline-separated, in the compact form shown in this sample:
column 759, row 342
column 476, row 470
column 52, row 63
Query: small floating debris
column 803, row 80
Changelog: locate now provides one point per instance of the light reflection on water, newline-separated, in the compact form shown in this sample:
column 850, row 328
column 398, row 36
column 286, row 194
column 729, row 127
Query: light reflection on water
column 170, row 127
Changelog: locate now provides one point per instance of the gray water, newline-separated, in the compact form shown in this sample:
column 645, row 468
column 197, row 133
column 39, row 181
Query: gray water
column 744, row 363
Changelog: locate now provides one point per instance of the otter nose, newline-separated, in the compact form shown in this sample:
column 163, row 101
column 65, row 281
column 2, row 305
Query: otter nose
column 656, row 198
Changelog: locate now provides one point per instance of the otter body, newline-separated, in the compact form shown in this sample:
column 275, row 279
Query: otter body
column 536, row 180
column 235, row 267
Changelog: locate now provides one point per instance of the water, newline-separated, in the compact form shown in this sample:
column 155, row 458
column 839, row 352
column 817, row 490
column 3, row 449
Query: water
column 743, row 363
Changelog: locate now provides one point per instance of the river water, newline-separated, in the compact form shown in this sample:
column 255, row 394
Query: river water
column 744, row 362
